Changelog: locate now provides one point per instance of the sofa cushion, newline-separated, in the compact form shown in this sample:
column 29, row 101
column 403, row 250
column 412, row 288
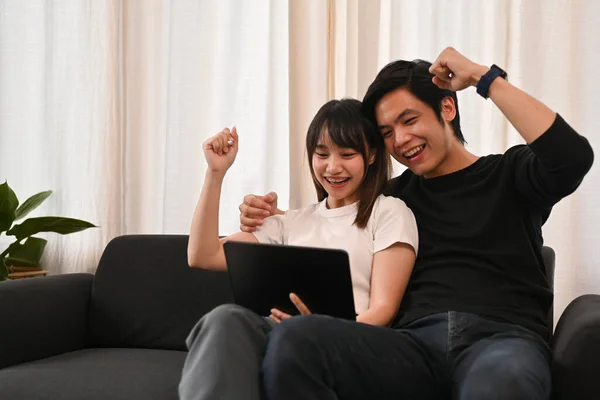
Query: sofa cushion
column 96, row 374
column 145, row 295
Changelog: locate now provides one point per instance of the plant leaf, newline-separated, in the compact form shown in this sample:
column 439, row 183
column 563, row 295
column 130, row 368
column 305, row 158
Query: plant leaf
column 27, row 255
column 8, row 206
column 3, row 270
column 31, row 204
column 60, row 225
column 11, row 249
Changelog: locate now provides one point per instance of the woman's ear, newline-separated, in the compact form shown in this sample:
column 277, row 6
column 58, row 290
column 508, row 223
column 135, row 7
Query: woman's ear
column 372, row 155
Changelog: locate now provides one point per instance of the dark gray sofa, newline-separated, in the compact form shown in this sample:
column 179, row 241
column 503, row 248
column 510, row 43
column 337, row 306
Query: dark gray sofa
column 119, row 334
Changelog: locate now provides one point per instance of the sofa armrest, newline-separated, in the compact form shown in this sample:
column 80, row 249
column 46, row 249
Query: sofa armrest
column 576, row 350
column 42, row 317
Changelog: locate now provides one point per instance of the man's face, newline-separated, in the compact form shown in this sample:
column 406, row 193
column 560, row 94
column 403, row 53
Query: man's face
column 413, row 134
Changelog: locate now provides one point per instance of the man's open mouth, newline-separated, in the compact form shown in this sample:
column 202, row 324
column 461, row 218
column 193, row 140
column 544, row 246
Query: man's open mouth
column 415, row 151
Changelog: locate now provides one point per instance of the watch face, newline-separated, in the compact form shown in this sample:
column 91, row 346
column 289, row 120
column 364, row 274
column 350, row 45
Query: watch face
column 499, row 70
column 486, row 80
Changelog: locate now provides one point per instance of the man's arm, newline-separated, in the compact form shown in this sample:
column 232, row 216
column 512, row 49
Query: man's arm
column 558, row 159
column 552, row 166
column 255, row 209
column 530, row 117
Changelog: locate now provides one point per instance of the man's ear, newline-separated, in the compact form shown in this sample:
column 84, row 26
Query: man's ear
column 448, row 109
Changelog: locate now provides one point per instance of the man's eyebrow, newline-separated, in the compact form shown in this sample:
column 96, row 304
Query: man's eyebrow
column 400, row 116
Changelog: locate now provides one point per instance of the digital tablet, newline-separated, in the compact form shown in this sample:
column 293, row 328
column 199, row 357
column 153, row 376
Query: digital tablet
column 262, row 277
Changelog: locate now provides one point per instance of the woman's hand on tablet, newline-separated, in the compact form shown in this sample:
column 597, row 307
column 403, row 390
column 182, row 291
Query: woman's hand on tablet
column 278, row 315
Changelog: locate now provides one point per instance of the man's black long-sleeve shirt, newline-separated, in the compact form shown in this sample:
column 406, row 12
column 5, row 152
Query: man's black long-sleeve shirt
column 480, row 230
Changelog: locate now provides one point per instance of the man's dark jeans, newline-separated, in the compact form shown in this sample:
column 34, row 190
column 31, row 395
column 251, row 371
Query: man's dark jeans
column 441, row 356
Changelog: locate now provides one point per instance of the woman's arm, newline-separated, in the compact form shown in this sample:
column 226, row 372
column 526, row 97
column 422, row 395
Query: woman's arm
column 205, row 250
column 391, row 271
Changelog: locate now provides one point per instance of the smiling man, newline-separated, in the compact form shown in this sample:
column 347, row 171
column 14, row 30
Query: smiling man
column 473, row 322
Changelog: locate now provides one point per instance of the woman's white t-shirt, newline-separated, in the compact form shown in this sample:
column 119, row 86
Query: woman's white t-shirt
column 391, row 222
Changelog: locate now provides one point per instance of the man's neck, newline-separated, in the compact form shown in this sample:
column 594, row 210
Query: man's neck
column 459, row 158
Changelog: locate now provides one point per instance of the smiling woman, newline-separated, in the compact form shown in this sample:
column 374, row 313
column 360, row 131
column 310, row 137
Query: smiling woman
column 349, row 167
column 347, row 159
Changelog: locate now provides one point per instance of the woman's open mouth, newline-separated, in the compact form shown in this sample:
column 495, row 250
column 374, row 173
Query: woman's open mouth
column 336, row 183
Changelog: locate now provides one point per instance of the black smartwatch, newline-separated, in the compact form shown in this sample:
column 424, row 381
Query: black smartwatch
column 483, row 86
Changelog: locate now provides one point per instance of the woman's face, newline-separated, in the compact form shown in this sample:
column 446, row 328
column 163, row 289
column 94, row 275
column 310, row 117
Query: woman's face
column 339, row 170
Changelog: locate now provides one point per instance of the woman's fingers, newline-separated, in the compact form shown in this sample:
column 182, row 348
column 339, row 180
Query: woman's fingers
column 280, row 315
column 234, row 135
column 214, row 143
column 223, row 141
column 299, row 304
column 274, row 318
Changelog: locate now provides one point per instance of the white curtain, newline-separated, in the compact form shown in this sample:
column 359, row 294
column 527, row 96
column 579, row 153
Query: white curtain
column 549, row 48
column 192, row 68
column 59, row 125
column 107, row 102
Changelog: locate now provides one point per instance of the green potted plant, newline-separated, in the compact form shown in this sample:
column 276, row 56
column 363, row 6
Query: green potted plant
column 27, row 250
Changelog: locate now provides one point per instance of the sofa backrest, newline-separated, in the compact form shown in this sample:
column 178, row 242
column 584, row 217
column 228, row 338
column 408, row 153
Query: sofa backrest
column 145, row 295
column 549, row 262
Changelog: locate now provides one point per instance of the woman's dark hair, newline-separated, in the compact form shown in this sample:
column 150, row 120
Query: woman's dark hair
column 346, row 126
column 416, row 78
